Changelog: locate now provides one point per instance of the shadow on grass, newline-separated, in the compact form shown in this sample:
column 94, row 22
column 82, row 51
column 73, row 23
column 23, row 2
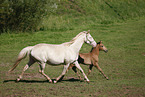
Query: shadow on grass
column 44, row 81
column 26, row 81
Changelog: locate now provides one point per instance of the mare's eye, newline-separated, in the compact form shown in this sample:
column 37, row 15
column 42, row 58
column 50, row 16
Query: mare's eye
column 89, row 37
column 101, row 46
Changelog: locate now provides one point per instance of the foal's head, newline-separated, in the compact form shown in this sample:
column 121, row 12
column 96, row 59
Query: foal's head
column 102, row 47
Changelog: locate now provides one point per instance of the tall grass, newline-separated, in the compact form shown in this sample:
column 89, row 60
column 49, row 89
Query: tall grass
column 71, row 13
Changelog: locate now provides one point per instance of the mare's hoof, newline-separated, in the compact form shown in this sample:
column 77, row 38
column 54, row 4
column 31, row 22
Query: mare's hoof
column 55, row 82
column 88, row 81
column 18, row 79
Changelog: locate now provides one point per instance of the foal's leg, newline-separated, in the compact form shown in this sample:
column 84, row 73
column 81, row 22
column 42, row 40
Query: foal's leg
column 75, row 70
column 78, row 66
column 97, row 66
column 42, row 66
column 90, row 69
column 70, row 66
column 63, row 72
column 31, row 61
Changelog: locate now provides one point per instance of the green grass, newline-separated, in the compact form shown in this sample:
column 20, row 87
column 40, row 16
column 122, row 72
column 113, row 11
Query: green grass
column 123, row 64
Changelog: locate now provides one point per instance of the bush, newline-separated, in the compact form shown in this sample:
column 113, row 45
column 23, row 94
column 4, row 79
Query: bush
column 24, row 15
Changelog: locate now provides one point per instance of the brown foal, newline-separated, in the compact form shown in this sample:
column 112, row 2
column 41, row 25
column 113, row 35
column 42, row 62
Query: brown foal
column 91, row 59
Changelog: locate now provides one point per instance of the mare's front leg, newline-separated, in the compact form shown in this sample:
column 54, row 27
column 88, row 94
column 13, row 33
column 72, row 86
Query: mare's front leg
column 63, row 73
column 78, row 66
column 97, row 66
column 74, row 68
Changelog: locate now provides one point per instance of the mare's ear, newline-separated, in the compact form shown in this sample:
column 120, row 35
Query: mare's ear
column 88, row 31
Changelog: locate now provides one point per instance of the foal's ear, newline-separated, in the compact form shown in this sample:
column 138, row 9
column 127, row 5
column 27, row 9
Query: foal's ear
column 99, row 42
column 88, row 31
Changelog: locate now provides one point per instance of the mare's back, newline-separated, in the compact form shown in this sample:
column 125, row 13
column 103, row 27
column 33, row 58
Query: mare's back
column 46, row 50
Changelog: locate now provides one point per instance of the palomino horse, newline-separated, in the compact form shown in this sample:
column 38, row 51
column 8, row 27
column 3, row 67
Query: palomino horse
column 64, row 53
column 91, row 59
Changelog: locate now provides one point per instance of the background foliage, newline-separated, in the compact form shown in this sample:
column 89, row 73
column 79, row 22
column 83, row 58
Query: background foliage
column 24, row 15
column 35, row 15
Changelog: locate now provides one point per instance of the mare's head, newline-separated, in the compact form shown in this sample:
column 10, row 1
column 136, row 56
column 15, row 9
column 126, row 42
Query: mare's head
column 89, row 39
column 102, row 47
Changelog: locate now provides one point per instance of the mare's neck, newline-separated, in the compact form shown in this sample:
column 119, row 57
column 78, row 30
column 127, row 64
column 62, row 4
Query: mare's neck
column 76, row 46
column 95, row 50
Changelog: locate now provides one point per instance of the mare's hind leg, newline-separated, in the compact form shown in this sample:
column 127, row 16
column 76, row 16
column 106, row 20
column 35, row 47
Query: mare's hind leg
column 31, row 61
column 42, row 66
column 63, row 73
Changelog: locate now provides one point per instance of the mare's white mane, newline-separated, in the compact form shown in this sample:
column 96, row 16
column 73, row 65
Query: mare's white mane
column 73, row 40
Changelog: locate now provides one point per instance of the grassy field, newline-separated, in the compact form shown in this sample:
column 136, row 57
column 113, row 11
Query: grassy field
column 123, row 64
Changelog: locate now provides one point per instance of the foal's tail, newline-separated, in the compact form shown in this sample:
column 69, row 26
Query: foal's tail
column 23, row 54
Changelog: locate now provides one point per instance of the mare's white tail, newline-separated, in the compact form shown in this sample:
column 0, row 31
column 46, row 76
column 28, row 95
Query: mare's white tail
column 23, row 54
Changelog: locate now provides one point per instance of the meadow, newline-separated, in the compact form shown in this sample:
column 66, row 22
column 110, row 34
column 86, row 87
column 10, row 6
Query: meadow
column 123, row 64
column 119, row 24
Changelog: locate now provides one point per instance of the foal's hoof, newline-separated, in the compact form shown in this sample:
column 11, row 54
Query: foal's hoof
column 107, row 78
column 50, row 81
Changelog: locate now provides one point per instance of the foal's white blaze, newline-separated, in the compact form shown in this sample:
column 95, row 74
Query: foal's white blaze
column 65, row 53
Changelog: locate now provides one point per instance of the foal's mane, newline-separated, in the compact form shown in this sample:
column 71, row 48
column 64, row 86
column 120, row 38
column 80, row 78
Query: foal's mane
column 73, row 40
column 94, row 47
